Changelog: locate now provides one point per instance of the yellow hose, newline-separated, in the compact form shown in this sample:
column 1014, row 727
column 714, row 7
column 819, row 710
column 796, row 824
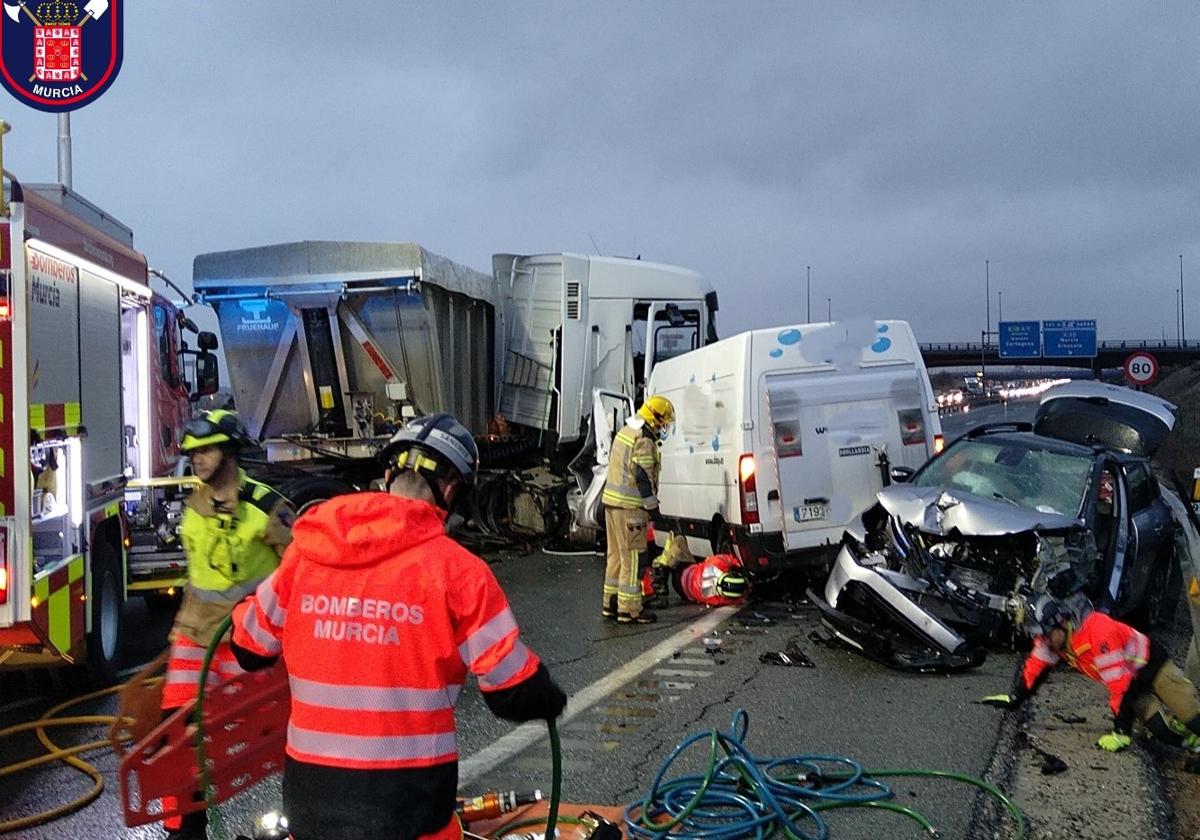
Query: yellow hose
column 67, row 755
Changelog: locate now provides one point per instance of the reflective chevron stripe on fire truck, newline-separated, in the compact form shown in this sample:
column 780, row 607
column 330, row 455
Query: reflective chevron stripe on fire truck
column 58, row 603
column 46, row 417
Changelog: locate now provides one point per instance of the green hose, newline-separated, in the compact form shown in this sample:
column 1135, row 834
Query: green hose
column 201, row 752
column 555, row 777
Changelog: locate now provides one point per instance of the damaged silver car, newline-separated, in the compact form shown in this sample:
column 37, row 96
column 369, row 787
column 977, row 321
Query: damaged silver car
column 946, row 561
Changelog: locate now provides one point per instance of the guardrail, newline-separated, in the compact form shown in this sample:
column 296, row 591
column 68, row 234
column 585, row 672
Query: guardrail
column 1120, row 344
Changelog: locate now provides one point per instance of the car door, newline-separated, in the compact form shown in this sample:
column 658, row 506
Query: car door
column 1151, row 528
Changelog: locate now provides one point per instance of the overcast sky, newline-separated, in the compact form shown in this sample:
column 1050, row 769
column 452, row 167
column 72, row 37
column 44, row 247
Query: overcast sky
column 892, row 147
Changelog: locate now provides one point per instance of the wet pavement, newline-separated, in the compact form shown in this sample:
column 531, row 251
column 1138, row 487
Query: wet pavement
column 668, row 684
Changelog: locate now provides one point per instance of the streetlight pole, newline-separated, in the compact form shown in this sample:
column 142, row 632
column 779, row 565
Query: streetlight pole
column 1178, row 339
column 1000, row 317
column 808, row 290
column 829, row 309
column 987, row 287
column 1182, row 305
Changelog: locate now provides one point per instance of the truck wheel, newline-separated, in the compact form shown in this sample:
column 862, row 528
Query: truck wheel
column 303, row 493
column 104, row 642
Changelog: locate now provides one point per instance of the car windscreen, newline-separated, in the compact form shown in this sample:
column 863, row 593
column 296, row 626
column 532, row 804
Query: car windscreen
column 1027, row 476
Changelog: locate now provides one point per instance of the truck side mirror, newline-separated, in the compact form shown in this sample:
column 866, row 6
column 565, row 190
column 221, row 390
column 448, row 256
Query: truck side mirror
column 207, row 341
column 208, row 378
column 902, row 474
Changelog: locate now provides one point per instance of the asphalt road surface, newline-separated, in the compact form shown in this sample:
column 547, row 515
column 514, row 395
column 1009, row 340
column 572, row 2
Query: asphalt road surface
column 635, row 693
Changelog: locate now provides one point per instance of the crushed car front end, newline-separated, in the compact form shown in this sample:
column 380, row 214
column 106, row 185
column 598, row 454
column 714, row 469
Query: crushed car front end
column 931, row 577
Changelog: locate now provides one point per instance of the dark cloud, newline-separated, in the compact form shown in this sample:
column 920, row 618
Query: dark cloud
column 892, row 147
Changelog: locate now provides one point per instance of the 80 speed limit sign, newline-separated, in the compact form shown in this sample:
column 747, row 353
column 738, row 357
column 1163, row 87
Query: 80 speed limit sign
column 1141, row 369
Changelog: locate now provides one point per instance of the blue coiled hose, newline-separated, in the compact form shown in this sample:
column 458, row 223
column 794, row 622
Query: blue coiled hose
column 741, row 795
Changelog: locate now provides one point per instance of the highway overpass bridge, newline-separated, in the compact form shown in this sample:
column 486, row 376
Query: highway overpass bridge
column 1109, row 354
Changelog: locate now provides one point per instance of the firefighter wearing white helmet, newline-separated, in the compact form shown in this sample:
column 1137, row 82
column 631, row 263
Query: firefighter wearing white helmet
column 234, row 531
column 630, row 503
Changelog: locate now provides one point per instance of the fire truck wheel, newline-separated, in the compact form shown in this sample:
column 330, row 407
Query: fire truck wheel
column 104, row 642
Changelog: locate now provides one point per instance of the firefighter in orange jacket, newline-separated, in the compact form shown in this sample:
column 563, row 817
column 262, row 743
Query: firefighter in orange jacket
column 380, row 617
column 716, row 582
column 1142, row 682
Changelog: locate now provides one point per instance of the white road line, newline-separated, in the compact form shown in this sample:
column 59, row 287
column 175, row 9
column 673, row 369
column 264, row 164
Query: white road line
column 475, row 765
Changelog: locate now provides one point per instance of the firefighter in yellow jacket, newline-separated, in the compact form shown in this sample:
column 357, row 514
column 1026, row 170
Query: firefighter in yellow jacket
column 234, row 531
column 630, row 503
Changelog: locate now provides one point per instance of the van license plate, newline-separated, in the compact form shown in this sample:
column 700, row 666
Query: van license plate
column 810, row 513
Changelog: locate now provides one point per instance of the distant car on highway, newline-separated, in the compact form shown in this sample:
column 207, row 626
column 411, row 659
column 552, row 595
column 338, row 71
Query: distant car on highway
column 950, row 556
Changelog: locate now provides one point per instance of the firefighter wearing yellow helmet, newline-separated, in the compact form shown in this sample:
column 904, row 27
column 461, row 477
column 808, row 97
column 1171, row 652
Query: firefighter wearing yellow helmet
column 630, row 503
column 234, row 531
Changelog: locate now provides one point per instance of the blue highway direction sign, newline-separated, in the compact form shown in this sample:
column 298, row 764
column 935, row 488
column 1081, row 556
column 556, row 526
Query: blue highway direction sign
column 1020, row 339
column 1069, row 339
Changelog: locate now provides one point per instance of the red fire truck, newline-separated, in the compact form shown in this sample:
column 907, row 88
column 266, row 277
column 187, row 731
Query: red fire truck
column 96, row 382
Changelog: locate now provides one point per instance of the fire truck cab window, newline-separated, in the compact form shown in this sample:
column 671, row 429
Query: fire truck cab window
column 162, row 335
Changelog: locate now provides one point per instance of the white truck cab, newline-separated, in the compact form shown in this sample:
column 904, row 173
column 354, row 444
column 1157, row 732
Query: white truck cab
column 783, row 435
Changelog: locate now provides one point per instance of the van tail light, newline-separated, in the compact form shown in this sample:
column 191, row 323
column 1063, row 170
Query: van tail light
column 939, row 443
column 912, row 426
column 748, row 486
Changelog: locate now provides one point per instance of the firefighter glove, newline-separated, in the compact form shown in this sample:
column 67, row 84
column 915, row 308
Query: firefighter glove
column 1114, row 742
column 1003, row 701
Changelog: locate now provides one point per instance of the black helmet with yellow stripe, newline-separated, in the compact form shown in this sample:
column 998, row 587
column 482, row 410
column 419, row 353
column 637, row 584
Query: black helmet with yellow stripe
column 438, row 448
column 214, row 428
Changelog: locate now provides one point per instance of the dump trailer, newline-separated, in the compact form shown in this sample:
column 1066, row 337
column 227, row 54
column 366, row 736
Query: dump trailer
column 332, row 345
column 94, row 383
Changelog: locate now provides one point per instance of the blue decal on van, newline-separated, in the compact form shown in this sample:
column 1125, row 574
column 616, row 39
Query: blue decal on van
column 716, row 442
column 882, row 328
column 789, row 337
column 776, row 353
column 882, row 345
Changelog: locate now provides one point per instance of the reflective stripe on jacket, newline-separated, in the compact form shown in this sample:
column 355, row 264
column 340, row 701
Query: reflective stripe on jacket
column 226, row 549
column 699, row 581
column 228, row 552
column 633, row 452
column 380, row 616
column 1102, row 648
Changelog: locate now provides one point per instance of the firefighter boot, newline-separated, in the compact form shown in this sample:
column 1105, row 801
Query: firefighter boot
column 658, row 579
column 609, row 610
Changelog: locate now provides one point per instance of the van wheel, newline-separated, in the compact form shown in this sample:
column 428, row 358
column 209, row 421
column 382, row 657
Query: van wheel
column 719, row 538
column 106, row 604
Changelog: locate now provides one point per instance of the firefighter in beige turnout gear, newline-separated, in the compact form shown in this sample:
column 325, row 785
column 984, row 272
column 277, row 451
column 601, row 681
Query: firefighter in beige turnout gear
column 630, row 503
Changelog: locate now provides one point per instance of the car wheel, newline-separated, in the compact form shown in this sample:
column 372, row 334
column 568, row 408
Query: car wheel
column 1162, row 593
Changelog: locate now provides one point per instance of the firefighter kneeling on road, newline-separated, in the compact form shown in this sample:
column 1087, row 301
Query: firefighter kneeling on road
column 630, row 504
column 380, row 616
column 234, row 529
column 1142, row 682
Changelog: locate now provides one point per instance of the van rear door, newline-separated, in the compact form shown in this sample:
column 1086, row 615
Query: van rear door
column 828, row 429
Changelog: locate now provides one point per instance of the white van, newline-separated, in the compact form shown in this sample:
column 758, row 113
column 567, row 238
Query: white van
column 783, row 435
